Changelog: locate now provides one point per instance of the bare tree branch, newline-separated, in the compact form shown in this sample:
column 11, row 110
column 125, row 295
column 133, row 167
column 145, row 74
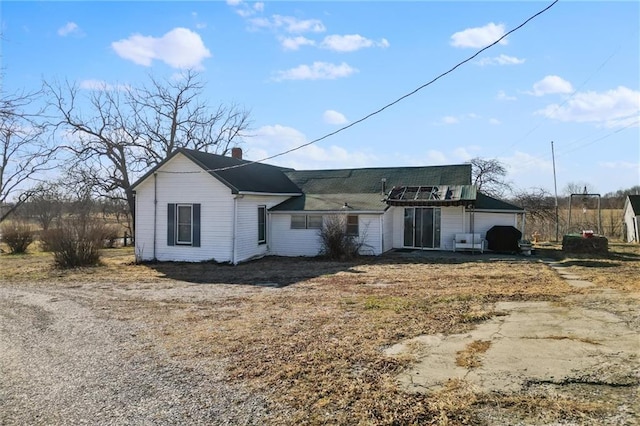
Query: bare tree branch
column 490, row 177
column 25, row 149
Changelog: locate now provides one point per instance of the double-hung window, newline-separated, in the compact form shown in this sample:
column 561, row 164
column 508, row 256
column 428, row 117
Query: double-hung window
column 262, row 224
column 304, row 221
column 352, row 225
column 183, row 225
column 184, row 222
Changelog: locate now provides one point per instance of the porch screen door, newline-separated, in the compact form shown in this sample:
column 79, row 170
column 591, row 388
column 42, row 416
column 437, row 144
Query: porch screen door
column 422, row 227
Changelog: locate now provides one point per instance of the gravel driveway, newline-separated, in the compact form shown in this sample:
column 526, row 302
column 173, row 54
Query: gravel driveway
column 62, row 362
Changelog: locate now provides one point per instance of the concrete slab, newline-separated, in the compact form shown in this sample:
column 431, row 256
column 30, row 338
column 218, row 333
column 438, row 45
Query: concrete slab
column 535, row 342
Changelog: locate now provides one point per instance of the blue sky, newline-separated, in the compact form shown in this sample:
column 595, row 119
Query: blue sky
column 305, row 69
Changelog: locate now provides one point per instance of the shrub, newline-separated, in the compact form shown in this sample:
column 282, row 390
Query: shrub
column 76, row 242
column 336, row 244
column 18, row 236
column 111, row 236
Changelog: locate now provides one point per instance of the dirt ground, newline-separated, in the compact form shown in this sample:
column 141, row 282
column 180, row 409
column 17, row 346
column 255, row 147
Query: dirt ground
column 406, row 338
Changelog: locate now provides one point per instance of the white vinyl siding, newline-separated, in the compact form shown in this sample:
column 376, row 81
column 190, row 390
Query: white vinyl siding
column 482, row 221
column 285, row 241
column 192, row 187
column 451, row 223
column 387, row 227
column 247, row 245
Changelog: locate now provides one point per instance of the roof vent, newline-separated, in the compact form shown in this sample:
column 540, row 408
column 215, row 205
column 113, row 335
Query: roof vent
column 383, row 183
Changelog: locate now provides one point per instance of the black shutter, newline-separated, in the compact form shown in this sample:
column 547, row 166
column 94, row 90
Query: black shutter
column 171, row 224
column 196, row 225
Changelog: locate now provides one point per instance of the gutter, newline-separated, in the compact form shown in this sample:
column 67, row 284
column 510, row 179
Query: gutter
column 233, row 229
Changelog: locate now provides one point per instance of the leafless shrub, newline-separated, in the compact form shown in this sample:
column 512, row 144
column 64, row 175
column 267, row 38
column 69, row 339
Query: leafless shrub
column 336, row 243
column 76, row 242
column 18, row 236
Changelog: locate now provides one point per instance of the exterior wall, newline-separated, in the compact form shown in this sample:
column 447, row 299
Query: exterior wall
column 387, row 229
column 306, row 242
column 631, row 223
column 452, row 223
column 198, row 187
column 291, row 242
column 246, row 245
column 369, row 227
column 484, row 221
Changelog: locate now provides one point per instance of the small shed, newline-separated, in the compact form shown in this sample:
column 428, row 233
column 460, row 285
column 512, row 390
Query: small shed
column 631, row 217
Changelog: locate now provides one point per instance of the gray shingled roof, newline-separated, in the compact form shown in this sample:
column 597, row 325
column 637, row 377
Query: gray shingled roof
column 361, row 189
column 634, row 200
column 254, row 177
column 348, row 181
column 485, row 202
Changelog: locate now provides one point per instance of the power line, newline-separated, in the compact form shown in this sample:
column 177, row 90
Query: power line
column 401, row 98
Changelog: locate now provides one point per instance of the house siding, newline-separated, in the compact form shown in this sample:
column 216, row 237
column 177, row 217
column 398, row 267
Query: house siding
column 483, row 221
column 387, row 229
column 247, row 246
column 292, row 242
column 306, row 242
column 194, row 186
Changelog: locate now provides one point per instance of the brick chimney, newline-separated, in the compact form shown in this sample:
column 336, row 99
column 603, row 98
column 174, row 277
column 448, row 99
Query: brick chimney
column 236, row 152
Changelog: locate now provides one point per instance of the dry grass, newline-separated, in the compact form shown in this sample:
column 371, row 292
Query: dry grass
column 314, row 343
column 470, row 356
column 617, row 270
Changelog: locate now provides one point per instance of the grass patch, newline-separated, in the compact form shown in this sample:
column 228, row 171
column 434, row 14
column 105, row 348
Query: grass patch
column 470, row 356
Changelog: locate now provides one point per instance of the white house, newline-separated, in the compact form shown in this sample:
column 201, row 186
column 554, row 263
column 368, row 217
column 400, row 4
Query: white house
column 196, row 206
column 631, row 215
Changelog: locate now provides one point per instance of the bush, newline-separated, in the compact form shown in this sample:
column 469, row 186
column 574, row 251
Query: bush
column 18, row 236
column 336, row 244
column 76, row 242
column 111, row 237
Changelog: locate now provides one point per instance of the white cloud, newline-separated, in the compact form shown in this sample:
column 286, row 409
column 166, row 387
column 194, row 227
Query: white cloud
column 523, row 164
column 316, row 71
column 179, row 48
column 269, row 140
column 494, row 121
column 289, row 24
column 502, row 96
column 449, row 119
column 334, row 117
column 69, row 28
column 258, row 7
column 613, row 108
column 350, row 43
column 101, row 85
column 615, row 165
column 501, row 60
column 479, row 36
column 551, row 84
column 294, row 43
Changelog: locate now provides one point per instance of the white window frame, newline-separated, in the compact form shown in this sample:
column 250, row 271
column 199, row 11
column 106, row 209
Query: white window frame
column 307, row 223
column 351, row 225
column 177, row 225
column 264, row 218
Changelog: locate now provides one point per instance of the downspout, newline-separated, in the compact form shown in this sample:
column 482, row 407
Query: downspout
column 155, row 212
column 233, row 230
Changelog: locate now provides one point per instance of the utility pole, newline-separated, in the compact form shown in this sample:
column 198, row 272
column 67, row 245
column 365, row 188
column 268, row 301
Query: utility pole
column 555, row 186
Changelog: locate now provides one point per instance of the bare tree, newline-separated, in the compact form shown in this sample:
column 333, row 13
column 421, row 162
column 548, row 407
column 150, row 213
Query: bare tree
column 122, row 130
column 25, row 149
column 172, row 114
column 578, row 188
column 540, row 207
column 489, row 176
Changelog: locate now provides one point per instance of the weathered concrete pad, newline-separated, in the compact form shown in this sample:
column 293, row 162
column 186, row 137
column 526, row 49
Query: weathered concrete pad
column 534, row 342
